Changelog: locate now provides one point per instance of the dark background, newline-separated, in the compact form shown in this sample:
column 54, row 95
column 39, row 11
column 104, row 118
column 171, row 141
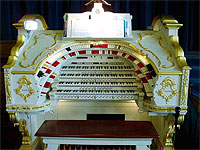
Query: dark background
column 143, row 12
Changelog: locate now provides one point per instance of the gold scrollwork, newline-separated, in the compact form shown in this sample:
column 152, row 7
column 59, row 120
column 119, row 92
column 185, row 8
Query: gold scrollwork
column 162, row 109
column 160, row 40
column 22, row 126
column 15, row 52
column 27, row 108
column 30, row 47
column 184, row 93
column 24, row 81
column 26, row 140
column 8, row 90
column 20, row 24
column 165, row 83
column 171, row 130
column 179, row 53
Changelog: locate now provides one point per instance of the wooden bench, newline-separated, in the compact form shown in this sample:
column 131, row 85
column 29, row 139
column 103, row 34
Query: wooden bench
column 97, row 132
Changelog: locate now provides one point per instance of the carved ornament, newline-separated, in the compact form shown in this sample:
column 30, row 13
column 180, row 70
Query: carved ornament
column 34, row 44
column 160, row 41
column 184, row 92
column 8, row 89
column 24, row 81
column 165, row 83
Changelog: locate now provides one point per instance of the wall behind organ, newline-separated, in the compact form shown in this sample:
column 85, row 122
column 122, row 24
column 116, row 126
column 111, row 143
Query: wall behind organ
column 143, row 12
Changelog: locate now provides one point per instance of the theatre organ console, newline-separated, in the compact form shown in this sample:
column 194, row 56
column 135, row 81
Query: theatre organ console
column 96, row 65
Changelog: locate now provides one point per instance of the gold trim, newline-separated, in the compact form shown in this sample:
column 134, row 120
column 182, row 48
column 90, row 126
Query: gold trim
column 26, row 139
column 27, row 108
column 15, row 52
column 30, row 147
column 170, row 133
column 170, row 73
column 154, row 21
column 162, row 109
column 179, row 53
column 30, row 47
column 184, row 93
column 8, row 89
column 23, row 72
column 13, row 118
column 170, row 22
column 54, row 50
column 25, row 81
column 165, row 83
column 20, row 24
column 159, row 38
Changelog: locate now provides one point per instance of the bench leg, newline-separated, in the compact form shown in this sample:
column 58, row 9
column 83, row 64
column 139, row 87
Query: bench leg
column 52, row 146
column 142, row 147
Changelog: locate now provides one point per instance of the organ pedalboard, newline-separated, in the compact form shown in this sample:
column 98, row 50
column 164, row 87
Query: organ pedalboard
column 97, row 78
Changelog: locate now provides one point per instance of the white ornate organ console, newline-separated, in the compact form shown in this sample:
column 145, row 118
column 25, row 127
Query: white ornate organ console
column 90, row 67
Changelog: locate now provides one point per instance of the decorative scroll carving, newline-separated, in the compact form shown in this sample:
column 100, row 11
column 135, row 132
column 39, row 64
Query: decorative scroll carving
column 26, row 140
column 15, row 52
column 160, row 40
column 184, row 93
column 165, row 83
column 30, row 47
column 24, row 81
column 162, row 109
column 8, row 90
column 27, row 108
column 22, row 126
column 171, row 130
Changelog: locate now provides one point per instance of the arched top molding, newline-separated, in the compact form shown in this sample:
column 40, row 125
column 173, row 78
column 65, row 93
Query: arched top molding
column 51, row 65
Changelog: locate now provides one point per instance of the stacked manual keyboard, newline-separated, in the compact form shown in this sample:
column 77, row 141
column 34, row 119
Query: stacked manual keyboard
column 96, row 82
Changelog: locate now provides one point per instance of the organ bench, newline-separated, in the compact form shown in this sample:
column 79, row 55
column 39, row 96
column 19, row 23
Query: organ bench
column 97, row 132
column 96, row 65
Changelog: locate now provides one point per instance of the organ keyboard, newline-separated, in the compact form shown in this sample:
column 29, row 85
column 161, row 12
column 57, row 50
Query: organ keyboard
column 78, row 81
column 101, row 71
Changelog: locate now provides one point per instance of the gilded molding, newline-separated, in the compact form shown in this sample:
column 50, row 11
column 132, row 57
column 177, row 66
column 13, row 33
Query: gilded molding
column 34, row 44
column 160, row 40
column 13, row 118
column 170, row 22
column 54, row 50
column 162, row 109
column 170, row 73
column 27, row 108
column 179, row 53
column 171, row 130
column 8, row 89
column 165, row 83
column 24, row 81
column 184, row 92
column 22, row 126
column 26, row 140
column 20, row 24
column 15, row 52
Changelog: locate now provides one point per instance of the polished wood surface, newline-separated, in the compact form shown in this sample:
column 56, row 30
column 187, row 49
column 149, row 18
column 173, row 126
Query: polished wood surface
column 97, row 129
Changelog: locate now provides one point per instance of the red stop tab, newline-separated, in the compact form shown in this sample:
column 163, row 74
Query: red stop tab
column 114, row 52
column 140, row 65
column 131, row 58
column 48, row 71
column 144, row 80
column 56, row 63
column 47, row 84
column 82, row 52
